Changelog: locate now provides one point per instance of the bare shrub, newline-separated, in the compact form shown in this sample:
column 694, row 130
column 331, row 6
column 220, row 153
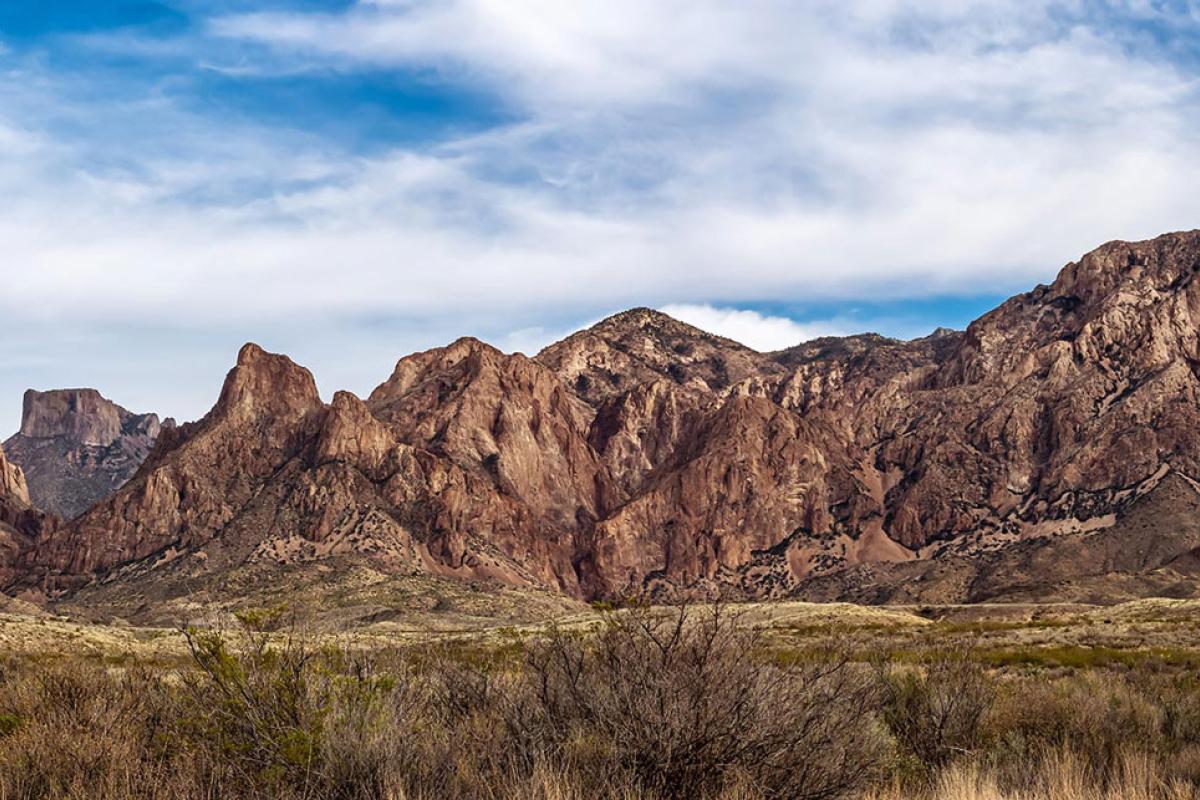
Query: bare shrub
column 645, row 705
column 937, row 711
column 685, row 704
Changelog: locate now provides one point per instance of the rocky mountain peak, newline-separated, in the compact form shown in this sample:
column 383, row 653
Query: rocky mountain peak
column 942, row 333
column 642, row 345
column 1138, row 296
column 645, row 319
column 453, row 364
column 82, row 417
column 1162, row 264
column 265, row 383
column 643, row 454
column 831, row 348
column 654, row 327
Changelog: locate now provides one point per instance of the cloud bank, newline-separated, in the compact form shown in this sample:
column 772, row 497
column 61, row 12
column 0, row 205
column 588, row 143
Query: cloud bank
column 705, row 157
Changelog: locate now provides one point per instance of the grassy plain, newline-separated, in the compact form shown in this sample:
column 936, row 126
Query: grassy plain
column 462, row 697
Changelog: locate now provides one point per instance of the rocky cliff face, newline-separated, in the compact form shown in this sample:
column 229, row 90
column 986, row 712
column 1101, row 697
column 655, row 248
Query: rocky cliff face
column 200, row 477
column 272, row 474
column 643, row 454
column 20, row 523
column 643, row 345
column 12, row 482
column 1055, row 406
column 76, row 448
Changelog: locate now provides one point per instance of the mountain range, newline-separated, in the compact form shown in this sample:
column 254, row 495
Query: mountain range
column 1049, row 451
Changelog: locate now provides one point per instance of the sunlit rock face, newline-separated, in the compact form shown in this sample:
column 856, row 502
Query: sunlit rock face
column 20, row 523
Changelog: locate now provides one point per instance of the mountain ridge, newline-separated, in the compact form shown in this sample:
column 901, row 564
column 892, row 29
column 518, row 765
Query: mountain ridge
column 644, row 455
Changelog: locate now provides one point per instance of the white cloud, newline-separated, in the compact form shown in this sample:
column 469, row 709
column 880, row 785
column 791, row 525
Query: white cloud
column 680, row 151
column 668, row 153
column 551, row 51
column 552, row 56
column 531, row 340
column 757, row 331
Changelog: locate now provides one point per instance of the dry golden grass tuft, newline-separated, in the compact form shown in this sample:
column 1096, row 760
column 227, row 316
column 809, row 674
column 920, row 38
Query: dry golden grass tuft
column 1060, row 776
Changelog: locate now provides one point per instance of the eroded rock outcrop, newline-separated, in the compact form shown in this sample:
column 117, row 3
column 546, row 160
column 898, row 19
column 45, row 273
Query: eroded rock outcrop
column 642, row 345
column 198, row 479
column 20, row 523
column 274, row 474
column 12, row 482
column 76, row 448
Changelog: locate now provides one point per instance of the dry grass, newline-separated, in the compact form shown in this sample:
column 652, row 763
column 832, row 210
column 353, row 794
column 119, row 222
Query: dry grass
column 1060, row 776
column 649, row 705
column 773, row 701
column 46, row 637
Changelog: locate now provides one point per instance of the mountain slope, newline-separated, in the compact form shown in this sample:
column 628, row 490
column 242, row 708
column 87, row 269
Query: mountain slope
column 272, row 475
column 1152, row 548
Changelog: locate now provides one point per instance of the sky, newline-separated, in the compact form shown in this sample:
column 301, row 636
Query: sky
column 349, row 181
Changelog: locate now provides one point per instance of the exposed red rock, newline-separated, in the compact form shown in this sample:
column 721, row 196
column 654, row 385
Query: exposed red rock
column 20, row 523
column 505, row 418
column 199, row 477
column 12, row 482
column 75, row 448
column 641, row 345
column 272, row 473
column 645, row 454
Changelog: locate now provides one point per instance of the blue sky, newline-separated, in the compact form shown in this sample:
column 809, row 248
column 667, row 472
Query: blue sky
column 351, row 181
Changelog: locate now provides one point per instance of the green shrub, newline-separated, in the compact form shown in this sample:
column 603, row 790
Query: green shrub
column 9, row 724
